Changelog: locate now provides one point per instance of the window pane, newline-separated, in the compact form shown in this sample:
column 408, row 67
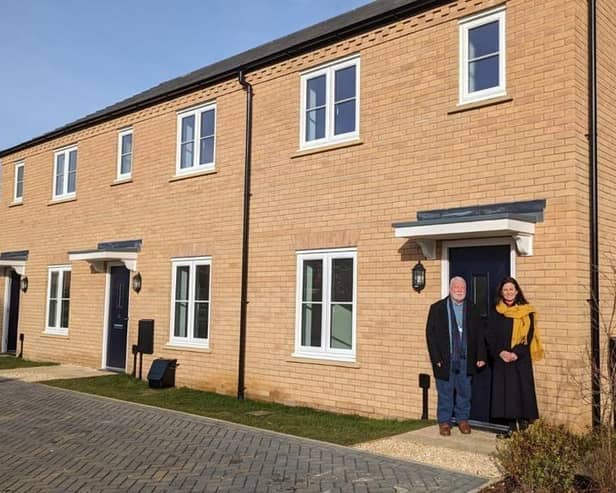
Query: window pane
column 125, row 166
column 72, row 161
column 202, row 289
column 188, row 128
column 311, row 324
column 127, row 144
column 66, row 284
column 64, row 314
column 181, row 319
column 315, row 124
column 483, row 40
column 60, row 174
column 20, row 173
column 52, row 313
column 206, row 154
column 186, row 155
column 181, row 283
column 342, row 279
column 342, row 327
column 345, row 83
column 53, row 290
column 207, row 123
column 72, row 178
column 312, row 290
column 483, row 74
column 19, row 191
column 344, row 121
column 201, row 320
column 315, row 92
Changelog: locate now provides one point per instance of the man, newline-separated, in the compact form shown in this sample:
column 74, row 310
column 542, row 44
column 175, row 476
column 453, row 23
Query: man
column 457, row 348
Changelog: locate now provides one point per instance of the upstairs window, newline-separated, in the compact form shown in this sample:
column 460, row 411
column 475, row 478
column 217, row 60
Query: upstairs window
column 330, row 104
column 326, row 304
column 196, row 141
column 65, row 173
column 125, row 154
column 482, row 56
column 58, row 299
column 18, row 194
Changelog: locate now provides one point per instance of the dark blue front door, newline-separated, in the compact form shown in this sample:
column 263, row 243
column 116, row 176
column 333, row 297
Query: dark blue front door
column 118, row 317
column 11, row 342
column 482, row 268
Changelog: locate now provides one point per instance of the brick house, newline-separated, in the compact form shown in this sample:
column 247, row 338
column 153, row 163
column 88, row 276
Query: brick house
column 451, row 132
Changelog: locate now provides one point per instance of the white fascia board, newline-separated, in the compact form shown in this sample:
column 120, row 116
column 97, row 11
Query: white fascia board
column 129, row 259
column 491, row 227
column 18, row 266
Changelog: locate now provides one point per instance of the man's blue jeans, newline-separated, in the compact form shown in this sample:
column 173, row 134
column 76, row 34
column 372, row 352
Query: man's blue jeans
column 446, row 408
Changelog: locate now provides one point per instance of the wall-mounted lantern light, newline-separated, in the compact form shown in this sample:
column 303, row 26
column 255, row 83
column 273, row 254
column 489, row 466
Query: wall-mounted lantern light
column 137, row 282
column 419, row 277
column 23, row 283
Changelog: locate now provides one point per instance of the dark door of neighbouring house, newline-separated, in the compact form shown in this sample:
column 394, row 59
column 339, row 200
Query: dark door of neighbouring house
column 118, row 317
column 482, row 267
column 13, row 321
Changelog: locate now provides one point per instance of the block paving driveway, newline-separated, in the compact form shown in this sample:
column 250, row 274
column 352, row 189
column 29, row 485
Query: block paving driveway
column 58, row 441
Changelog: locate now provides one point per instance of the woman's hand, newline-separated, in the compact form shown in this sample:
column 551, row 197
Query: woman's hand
column 508, row 357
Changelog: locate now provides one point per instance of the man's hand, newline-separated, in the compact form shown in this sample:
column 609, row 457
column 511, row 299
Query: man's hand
column 481, row 364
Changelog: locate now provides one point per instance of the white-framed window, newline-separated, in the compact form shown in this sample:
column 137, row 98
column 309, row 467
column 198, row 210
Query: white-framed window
column 190, row 301
column 65, row 173
column 125, row 154
column 329, row 109
column 482, row 56
column 196, row 140
column 18, row 191
column 326, row 304
column 58, row 299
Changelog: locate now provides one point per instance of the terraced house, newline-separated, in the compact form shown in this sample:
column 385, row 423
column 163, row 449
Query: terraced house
column 267, row 211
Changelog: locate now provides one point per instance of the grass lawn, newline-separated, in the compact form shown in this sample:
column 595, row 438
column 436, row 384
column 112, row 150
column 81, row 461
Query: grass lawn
column 10, row 362
column 299, row 421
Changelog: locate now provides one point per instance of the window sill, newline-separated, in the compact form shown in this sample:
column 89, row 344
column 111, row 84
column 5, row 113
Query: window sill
column 296, row 358
column 121, row 181
column 55, row 335
column 181, row 347
column 327, row 147
column 16, row 204
column 193, row 175
column 62, row 201
column 480, row 104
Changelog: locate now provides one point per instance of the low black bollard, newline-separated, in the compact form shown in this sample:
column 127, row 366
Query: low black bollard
column 424, row 384
column 21, row 346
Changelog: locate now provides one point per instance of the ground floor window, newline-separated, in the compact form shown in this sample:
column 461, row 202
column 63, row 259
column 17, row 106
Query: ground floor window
column 190, row 303
column 326, row 304
column 58, row 299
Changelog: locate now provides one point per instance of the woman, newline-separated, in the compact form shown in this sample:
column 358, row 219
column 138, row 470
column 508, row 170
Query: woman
column 514, row 344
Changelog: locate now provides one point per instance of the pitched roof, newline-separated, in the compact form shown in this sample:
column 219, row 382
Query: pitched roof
column 348, row 24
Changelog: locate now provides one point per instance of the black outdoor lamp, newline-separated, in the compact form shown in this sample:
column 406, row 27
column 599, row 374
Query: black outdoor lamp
column 23, row 283
column 137, row 282
column 419, row 277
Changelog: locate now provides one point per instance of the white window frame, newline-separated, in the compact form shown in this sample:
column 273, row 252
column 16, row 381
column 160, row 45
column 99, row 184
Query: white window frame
column 58, row 329
column 189, row 340
column 121, row 134
column 329, row 71
column 325, row 352
column 465, row 25
column 196, row 167
column 19, row 165
column 65, row 194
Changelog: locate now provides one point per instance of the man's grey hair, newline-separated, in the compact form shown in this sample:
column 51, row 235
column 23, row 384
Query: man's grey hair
column 456, row 279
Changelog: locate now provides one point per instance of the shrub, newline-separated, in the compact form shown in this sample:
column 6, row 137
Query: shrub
column 542, row 458
column 600, row 459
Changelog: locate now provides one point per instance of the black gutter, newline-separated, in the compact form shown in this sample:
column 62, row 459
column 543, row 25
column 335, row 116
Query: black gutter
column 230, row 72
column 594, row 215
column 245, row 236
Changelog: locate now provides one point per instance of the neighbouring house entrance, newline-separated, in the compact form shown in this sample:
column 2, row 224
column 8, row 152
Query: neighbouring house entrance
column 117, row 325
column 13, row 312
column 482, row 267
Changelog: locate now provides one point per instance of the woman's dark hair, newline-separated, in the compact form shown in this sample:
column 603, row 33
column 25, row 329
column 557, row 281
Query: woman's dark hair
column 519, row 299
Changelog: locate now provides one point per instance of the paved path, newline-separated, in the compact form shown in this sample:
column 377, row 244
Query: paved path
column 58, row 441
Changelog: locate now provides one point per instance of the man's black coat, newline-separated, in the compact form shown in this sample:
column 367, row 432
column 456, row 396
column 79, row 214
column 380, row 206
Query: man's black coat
column 437, row 335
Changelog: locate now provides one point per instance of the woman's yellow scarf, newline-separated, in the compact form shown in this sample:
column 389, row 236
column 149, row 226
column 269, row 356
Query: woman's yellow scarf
column 521, row 325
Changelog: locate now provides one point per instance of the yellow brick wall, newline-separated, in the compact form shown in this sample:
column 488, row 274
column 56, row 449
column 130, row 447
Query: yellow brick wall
column 416, row 153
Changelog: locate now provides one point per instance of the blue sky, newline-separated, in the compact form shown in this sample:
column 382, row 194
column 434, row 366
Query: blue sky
column 63, row 59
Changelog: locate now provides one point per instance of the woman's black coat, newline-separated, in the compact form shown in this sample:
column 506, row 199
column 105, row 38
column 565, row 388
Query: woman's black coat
column 513, row 384
column 437, row 335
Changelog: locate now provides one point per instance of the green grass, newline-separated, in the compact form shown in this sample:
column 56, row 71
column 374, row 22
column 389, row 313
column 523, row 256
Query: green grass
column 10, row 362
column 300, row 421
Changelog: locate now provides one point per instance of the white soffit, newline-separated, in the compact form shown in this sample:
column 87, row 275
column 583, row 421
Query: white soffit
column 98, row 258
column 18, row 266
